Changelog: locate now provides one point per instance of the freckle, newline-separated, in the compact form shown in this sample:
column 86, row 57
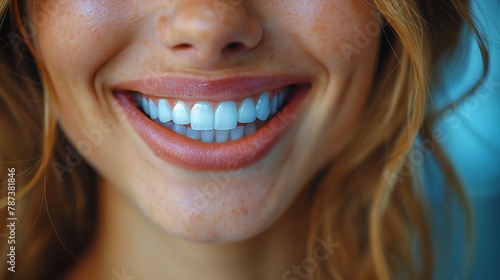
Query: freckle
column 162, row 20
column 193, row 217
column 271, row 57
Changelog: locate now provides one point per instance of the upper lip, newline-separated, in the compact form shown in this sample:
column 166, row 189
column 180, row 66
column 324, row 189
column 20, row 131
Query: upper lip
column 196, row 88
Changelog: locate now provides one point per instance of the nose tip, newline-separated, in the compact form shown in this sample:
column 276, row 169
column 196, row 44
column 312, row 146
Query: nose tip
column 202, row 32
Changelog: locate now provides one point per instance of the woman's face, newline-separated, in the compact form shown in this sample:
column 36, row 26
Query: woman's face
column 193, row 108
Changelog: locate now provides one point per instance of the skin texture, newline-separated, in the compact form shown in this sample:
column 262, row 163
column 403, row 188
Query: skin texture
column 220, row 222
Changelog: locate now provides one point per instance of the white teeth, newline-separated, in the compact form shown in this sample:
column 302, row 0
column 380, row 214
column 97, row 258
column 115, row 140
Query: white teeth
column 247, row 112
column 226, row 116
column 164, row 111
column 281, row 99
column 237, row 133
column 212, row 135
column 193, row 134
column 180, row 113
column 250, row 129
column 202, row 116
column 145, row 105
column 221, row 136
column 201, row 122
column 182, row 130
column 153, row 111
column 262, row 107
column 207, row 136
column 274, row 105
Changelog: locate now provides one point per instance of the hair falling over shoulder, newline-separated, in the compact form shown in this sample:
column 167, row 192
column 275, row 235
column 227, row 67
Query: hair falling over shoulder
column 360, row 197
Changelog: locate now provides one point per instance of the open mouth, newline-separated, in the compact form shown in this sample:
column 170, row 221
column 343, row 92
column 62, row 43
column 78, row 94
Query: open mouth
column 199, row 128
column 215, row 122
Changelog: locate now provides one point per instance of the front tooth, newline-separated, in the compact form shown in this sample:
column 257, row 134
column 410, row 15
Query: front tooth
column 145, row 105
column 247, row 112
column 202, row 116
column 207, row 136
column 262, row 107
column 179, row 129
column 281, row 99
column 237, row 133
column 164, row 111
column 274, row 105
column 194, row 134
column 226, row 116
column 180, row 113
column 221, row 136
column 153, row 110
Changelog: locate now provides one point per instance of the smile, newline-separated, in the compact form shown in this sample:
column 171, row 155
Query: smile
column 214, row 122
column 211, row 125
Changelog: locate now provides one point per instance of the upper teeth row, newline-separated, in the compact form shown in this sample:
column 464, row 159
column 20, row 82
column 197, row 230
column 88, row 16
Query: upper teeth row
column 202, row 117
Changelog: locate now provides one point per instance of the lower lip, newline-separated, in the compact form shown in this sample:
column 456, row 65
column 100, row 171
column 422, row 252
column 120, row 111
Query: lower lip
column 196, row 155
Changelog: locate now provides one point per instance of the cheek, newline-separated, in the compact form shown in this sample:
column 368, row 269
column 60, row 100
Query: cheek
column 336, row 33
column 73, row 39
column 74, row 36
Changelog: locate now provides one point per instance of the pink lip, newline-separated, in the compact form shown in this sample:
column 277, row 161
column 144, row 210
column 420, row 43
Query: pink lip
column 207, row 89
column 196, row 155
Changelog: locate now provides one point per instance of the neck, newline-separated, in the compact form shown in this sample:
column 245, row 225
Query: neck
column 128, row 244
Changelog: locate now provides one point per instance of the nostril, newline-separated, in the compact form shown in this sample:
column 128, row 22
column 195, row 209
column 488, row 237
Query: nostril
column 234, row 46
column 182, row 46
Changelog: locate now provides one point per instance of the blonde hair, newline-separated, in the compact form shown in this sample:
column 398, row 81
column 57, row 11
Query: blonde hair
column 364, row 202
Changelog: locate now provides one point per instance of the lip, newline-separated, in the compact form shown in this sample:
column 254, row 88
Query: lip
column 196, row 155
column 207, row 89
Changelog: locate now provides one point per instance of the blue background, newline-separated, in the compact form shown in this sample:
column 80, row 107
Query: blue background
column 471, row 140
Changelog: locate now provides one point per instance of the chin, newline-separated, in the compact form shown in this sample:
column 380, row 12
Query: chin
column 219, row 207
